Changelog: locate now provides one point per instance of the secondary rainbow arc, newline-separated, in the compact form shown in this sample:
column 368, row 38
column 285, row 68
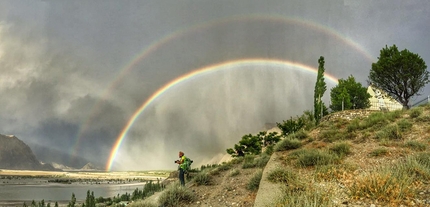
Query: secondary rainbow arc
column 183, row 78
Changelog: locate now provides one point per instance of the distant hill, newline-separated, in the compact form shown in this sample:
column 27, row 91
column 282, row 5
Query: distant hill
column 90, row 166
column 16, row 155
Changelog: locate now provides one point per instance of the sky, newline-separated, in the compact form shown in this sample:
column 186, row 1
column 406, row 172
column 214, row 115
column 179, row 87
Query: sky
column 128, row 84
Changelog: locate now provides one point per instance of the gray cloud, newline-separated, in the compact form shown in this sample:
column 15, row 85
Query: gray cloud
column 63, row 86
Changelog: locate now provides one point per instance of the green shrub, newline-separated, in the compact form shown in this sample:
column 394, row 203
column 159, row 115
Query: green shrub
column 254, row 182
column 225, row 166
column 249, row 162
column 391, row 132
column 300, row 197
column 423, row 118
column 378, row 152
column 269, row 150
column 287, row 144
column 393, row 115
column 314, row 157
column 176, row 195
column 204, row 178
column 281, row 175
column 237, row 160
column 415, row 145
column 341, row 149
column 404, row 125
column 375, row 120
column 334, row 172
column 383, row 185
column 423, row 158
column 142, row 203
column 353, row 125
column 415, row 112
column 300, row 135
column 261, row 161
column 234, row 172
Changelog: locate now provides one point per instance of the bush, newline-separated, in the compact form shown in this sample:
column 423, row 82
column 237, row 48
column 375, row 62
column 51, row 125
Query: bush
column 176, row 195
column 341, row 149
column 404, row 125
column 234, row 172
column 377, row 119
column 225, row 166
column 203, row 178
column 142, row 203
column 353, row 125
column 334, row 172
column 389, row 132
column 300, row 197
column 378, row 152
column 254, row 183
column 415, row 145
column 300, row 135
column 262, row 160
column 415, row 112
column 237, row 160
column 282, row 176
column 314, row 157
column 248, row 162
column 382, row 186
column 288, row 144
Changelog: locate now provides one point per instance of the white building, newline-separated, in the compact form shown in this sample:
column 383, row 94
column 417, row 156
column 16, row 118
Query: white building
column 380, row 100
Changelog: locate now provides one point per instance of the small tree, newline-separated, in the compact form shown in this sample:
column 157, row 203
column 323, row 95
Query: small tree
column 349, row 93
column 253, row 144
column 402, row 74
column 320, row 88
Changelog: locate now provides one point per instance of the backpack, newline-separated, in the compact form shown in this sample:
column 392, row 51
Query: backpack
column 188, row 163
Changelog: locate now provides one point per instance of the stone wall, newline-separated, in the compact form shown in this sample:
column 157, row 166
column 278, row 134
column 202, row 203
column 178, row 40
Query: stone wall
column 348, row 114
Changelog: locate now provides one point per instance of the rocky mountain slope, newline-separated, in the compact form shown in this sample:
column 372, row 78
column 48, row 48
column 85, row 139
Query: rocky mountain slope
column 16, row 155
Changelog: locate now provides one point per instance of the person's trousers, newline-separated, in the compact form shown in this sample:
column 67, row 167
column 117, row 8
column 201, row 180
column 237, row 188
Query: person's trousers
column 182, row 176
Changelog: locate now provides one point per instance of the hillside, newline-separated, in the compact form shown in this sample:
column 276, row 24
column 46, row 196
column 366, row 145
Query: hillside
column 16, row 155
column 353, row 158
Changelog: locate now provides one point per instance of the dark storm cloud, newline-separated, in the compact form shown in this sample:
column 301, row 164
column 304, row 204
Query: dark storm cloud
column 59, row 59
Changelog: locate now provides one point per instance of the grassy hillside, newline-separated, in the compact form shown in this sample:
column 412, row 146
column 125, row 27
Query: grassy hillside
column 376, row 159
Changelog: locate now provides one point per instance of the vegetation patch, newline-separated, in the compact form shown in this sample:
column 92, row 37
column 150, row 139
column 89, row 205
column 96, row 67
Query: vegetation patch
column 176, row 195
column 249, row 162
column 313, row 157
column 390, row 132
column 203, row 178
column 378, row 152
column 382, row 186
column 415, row 112
column 416, row 145
column 341, row 149
column 404, row 125
column 234, row 172
column 282, row 175
column 288, row 144
column 334, row 172
column 311, row 196
column 254, row 182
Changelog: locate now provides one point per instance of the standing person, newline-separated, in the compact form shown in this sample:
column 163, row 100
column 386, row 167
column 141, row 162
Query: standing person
column 181, row 163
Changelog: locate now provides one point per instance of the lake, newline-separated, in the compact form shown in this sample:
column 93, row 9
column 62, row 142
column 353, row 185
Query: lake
column 52, row 192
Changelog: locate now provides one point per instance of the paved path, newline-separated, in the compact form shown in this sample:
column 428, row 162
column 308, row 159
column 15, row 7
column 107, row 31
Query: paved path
column 268, row 192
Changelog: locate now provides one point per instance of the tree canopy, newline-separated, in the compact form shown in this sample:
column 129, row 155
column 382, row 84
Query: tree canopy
column 402, row 74
column 351, row 93
column 320, row 88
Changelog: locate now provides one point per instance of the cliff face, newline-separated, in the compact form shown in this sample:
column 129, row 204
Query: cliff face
column 16, row 155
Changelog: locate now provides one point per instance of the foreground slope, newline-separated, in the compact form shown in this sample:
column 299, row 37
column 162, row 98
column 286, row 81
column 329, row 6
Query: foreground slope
column 353, row 158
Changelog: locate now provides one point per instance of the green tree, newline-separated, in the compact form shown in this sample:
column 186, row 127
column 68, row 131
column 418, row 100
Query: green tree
column 72, row 201
column 253, row 144
column 351, row 93
column 320, row 88
column 402, row 74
